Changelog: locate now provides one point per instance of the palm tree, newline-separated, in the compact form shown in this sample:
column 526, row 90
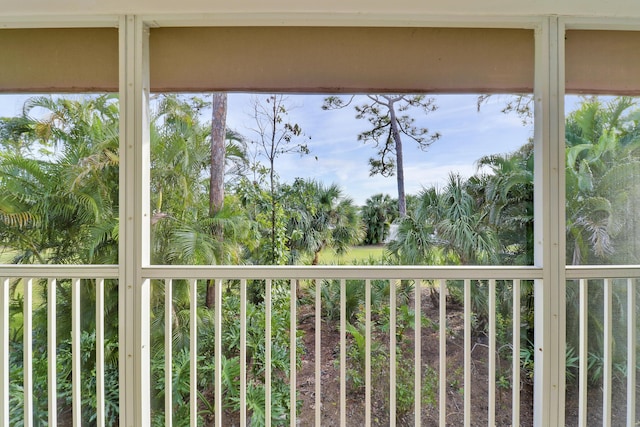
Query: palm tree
column 507, row 189
column 182, row 224
column 416, row 241
column 463, row 227
column 603, row 166
column 59, row 205
column 16, row 135
column 377, row 214
column 452, row 220
column 63, row 203
column 602, row 201
column 320, row 217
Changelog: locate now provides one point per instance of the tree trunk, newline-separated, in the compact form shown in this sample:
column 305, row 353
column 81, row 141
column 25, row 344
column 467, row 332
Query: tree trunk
column 273, row 214
column 402, row 203
column 210, row 297
column 272, row 158
column 216, row 183
column 218, row 152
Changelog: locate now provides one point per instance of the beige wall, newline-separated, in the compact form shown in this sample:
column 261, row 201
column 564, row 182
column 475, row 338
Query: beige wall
column 345, row 59
column 614, row 72
column 38, row 60
column 355, row 9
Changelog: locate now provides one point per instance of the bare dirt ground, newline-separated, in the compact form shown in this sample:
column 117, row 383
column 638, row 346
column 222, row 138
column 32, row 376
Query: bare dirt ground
column 355, row 412
column 330, row 377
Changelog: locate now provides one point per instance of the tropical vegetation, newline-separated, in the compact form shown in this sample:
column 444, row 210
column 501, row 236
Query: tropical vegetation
column 59, row 205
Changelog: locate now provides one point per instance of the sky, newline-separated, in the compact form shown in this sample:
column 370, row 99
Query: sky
column 338, row 157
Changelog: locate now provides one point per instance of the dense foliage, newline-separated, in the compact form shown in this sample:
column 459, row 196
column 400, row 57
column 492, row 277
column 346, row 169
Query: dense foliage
column 59, row 205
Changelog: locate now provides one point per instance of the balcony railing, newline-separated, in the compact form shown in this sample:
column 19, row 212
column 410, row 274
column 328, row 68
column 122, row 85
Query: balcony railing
column 601, row 292
column 350, row 350
column 27, row 277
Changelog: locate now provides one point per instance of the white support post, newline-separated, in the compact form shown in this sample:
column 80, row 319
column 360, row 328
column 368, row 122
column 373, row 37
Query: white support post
column 134, row 224
column 549, row 250
column 559, row 297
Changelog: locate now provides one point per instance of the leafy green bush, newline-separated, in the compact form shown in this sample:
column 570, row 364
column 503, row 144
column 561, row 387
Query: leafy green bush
column 230, row 360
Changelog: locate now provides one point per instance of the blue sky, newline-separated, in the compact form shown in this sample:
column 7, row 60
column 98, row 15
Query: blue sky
column 466, row 133
column 338, row 157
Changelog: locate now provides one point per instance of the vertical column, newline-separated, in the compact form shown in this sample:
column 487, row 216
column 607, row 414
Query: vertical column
column 134, row 224
column 549, row 194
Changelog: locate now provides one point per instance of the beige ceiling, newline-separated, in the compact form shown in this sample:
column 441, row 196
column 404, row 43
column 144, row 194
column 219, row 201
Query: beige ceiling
column 357, row 8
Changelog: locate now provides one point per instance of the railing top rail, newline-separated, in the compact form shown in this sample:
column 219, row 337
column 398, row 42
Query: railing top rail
column 341, row 272
column 60, row 271
column 319, row 272
column 602, row 271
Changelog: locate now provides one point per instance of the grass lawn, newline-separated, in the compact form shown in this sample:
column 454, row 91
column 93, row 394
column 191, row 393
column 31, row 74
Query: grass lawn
column 6, row 256
column 356, row 253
